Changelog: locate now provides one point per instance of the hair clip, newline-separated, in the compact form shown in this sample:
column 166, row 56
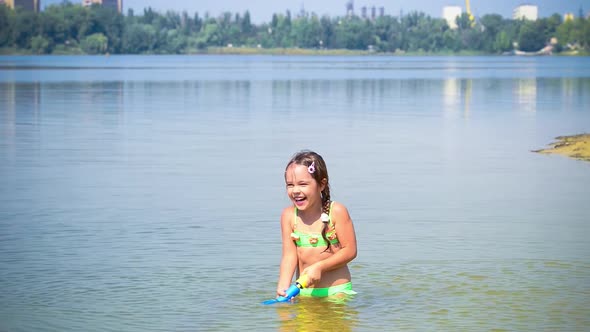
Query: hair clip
column 311, row 168
column 325, row 218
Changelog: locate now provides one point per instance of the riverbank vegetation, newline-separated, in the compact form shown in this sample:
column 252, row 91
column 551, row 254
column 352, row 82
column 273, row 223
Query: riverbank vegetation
column 73, row 29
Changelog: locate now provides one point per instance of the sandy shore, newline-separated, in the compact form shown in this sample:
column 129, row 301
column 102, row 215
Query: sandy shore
column 575, row 146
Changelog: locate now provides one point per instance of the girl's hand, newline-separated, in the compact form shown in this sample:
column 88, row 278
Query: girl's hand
column 281, row 292
column 314, row 274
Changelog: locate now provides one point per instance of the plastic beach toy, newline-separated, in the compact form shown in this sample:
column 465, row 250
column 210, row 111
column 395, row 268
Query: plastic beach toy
column 291, row 292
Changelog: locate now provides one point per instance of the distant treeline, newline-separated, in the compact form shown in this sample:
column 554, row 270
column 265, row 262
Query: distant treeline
column 73, row 29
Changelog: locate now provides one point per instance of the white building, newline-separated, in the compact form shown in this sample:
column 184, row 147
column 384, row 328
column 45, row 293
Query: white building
column 450, row 14
column 527, row 12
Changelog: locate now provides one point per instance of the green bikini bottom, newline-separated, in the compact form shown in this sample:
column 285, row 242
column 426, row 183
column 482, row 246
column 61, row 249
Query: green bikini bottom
column 323, row 292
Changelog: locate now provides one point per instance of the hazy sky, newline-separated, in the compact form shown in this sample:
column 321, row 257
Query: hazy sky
column 262, row 10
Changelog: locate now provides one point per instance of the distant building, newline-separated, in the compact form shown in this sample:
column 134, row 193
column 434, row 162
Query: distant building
column 526, row 12
column 350, row 8
column 115, row 4
column 88, row 3
column 568, row 17
column 366, row 12
column 32, row 5
column 302, row 13
column 450, row 14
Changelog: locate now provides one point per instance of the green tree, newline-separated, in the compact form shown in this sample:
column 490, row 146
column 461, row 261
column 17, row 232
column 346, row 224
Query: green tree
column 61, row 28
column 327, row 28
column 382, row 31
column 552, row 23
column 502, row 42
column 96, row 43
column 586, row 34
column 53, row 25
column 353, row 33
column 463, row 21
column 139, row 38
column 39, row 45
column 107, row 21
column 245, row 25
column 577, row 34
column 149, row 16
column 452, row 40
column 563, row 33
column 25, row 26
column 74, row 18
column 531, row 37
column 174, row 42
column 6, row 24
column 281, row 32
column 306, row 32
column 492, row 28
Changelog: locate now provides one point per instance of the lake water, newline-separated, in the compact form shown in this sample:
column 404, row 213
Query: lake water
column 143, row 193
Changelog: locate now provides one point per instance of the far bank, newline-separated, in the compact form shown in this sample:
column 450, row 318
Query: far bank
column 280, row 51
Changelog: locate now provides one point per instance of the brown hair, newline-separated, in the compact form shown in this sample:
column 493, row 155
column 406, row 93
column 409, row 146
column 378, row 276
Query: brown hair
column 306, row 158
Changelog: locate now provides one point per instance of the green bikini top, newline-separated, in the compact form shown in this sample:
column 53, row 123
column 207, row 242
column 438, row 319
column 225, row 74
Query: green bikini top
column 314, row 239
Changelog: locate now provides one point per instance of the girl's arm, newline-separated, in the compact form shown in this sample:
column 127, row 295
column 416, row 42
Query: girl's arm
column 346, row 237
column 289, row 256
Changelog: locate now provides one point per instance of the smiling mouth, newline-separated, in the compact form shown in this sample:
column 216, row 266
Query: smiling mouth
column 299, row 200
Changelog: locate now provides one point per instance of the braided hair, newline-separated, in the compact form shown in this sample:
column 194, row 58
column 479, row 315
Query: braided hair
column 307, row 158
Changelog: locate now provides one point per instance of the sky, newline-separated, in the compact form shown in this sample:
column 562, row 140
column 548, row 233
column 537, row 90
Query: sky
column 261, row 10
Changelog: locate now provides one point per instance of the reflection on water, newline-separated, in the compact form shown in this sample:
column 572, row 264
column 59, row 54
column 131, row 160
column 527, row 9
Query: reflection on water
column 451, row 94
column 457, row 95
column 316, row 314
column 525, row 93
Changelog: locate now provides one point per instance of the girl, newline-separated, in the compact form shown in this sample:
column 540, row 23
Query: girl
column 318, row 234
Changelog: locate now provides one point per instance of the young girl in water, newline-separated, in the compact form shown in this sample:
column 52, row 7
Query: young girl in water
column 318, row 235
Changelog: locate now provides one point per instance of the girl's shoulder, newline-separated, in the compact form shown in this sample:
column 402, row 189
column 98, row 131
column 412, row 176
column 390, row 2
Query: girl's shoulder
column 288, row 211
column 339, row 211
column 338, row 208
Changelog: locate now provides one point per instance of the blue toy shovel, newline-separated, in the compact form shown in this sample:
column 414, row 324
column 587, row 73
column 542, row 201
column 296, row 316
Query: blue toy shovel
column 291, row 292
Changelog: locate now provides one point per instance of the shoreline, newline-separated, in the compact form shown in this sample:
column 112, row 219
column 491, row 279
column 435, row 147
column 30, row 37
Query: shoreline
column 573, row 146
column 322, row 52
column 242, row 50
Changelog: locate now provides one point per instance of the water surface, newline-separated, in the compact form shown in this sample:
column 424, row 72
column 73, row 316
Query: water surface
column 142, row 193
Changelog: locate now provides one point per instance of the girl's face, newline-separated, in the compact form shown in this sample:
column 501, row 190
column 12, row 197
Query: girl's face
column 302, row 188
